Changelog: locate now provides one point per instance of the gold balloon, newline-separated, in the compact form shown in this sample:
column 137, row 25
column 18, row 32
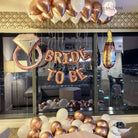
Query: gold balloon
column 44, row 5
column 46, row 135
column 60, row 131
column 41, row 18
column 73, row 129
column 59, row 7
column 88, row 119
column 33, row 8
column 92, row 125
column 109, row 54
column 96, row 12
column 55, row 125
column 78, row 115
column 36, row 122
column 33, row 133
column 102, row 131
column 48, row 15
column 87, row 10
column 102, row 123
column 70, row 118
column 69, row 9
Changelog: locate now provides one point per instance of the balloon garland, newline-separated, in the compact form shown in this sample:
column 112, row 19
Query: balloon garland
column 57, row 10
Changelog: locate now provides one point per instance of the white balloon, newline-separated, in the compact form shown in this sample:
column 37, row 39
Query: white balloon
column 45, row 127
column 52, row 105
column 28, row 121
column 52, row 119
column 77, row 5
column 49, row 101
column 63, row 103
column 86, row 20
column 66, row 124
column 62, row 114
column 76, row 19
column 23, row 131
column 115, row 131
column 85, row 127
column 112, row 122
column 77, row 123
column 106, row 117
column 103, row 17
column 111, row 135
column 65, row 17
column 43, row 118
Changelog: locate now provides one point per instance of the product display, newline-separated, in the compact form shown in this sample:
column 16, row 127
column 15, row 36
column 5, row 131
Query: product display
column 62, row 124
column 71, row 105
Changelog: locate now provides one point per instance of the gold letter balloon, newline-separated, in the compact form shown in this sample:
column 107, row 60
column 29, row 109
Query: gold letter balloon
column 109, row 55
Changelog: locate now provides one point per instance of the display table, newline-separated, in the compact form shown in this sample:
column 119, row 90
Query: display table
column 70, row 93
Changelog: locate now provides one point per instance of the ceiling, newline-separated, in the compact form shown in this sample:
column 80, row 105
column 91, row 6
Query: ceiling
column 23, row 5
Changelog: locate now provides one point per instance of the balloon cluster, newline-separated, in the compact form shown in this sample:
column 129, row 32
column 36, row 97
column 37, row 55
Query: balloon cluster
column 64, row 103
column 57, row 10
column 42, row 127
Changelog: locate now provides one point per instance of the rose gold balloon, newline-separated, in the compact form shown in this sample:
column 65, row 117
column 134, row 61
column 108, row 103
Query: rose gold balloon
column 78, row 115
column 97, row 11
column 88, row 119
column 87, row 10
column 92, row 125
column 59, row 7
column 36, row 122
column 55, row 125
column 108, row 19
column 102, row 123
column 73, row 129
column 69, row 9
column 33, row 8
column 44, row 5
column 102, row 131
column 56, row 100
column 33, row 133
column 46, row 135
column 76, row 104
column 43, row 104
column 49, row 15
column 70, row 118
column 60, row 131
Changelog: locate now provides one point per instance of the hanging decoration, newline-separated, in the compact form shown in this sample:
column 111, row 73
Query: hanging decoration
column 62, row 10
column 27, row 43
column 109, row 55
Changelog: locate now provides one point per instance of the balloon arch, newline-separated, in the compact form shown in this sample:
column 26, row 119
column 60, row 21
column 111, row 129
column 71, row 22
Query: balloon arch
column 63, row 10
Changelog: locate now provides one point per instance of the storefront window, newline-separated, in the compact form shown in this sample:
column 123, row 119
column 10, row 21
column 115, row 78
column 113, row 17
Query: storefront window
column 117, row 86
